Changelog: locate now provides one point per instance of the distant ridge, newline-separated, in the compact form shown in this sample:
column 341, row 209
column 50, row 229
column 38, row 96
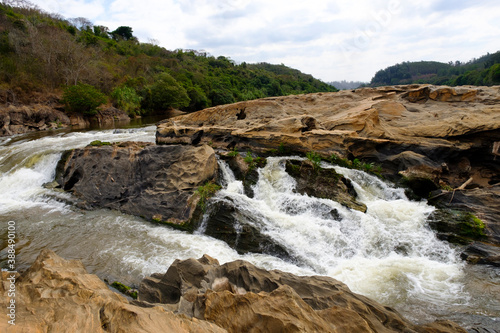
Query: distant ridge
column 483, row 71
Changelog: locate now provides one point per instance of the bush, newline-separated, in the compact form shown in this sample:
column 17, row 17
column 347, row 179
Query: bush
column 83, row 98
column 126, row 99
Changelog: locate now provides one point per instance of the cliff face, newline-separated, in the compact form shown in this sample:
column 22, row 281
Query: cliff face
column 443, row 142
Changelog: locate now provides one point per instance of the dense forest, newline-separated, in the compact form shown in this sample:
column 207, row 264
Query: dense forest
column 482, row 71
column 42, row 53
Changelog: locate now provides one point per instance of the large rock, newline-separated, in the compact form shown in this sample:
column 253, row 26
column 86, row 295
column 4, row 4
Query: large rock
column 432, row 137
column 243, row 298
column 156, row 182
column 38, row 117
column 57, row 295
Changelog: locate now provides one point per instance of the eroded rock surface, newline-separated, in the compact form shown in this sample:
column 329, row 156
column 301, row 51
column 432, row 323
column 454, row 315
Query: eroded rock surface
column 156, row 182
column 243, row 298
column 58, row 295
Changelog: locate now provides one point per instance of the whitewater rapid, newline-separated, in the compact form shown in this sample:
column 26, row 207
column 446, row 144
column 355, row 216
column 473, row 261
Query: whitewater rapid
column 387, row 253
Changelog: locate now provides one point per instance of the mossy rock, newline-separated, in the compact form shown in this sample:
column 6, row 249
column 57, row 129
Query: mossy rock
column 323, row 183
column 456, row 226
column 98, row 143
column 126, row 290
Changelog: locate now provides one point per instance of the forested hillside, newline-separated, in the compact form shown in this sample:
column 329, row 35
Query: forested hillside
column 482, row 71
column 43, row 54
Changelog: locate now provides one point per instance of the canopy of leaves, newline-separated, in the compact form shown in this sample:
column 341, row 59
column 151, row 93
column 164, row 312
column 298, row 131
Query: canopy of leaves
column 44, row 52
column 481, row 71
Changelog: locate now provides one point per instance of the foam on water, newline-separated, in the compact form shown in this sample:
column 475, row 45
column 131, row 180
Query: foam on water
column 387, row 253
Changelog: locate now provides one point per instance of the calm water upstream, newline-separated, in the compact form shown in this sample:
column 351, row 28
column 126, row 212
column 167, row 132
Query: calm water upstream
column 388, row 253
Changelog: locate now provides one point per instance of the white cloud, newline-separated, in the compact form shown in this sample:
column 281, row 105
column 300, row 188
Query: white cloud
column 332, row 40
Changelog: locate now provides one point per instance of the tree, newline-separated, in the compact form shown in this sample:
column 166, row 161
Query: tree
column 166, row 93
column 83, row 98
column 123, row 32
column 126, row 98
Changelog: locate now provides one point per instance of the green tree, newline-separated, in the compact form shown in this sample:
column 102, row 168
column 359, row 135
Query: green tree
column 166, row 93
column 83, row 98
column 123, row 32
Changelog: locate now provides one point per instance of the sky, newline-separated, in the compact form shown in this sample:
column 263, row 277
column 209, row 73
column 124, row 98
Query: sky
column 332, row 40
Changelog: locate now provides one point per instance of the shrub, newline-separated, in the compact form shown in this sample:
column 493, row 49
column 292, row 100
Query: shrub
column 83, row 98
column 127, row 99
column 315, row 158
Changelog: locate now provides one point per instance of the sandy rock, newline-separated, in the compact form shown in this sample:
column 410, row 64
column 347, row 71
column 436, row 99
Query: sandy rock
column 241, row 297
column 57, row 295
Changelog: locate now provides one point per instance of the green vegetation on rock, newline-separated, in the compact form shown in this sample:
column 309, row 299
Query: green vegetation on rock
column 205, row 192
column 124, row 289
column 98, row 143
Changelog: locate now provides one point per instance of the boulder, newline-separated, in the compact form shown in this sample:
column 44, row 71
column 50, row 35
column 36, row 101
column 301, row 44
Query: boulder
column 58, row 295
column 156, row 182
column 241, row 297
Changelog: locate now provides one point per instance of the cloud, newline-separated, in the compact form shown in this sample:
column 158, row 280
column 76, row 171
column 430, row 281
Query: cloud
column 332, row 40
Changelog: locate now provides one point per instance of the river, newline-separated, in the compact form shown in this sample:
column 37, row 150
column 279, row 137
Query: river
column 387, row 253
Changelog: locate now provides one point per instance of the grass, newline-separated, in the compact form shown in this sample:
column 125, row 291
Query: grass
column 357, row 164
column 205, row 192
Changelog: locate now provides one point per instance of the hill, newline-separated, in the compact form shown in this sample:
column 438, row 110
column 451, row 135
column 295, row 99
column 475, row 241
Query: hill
column 42, row 53
column 484, row 71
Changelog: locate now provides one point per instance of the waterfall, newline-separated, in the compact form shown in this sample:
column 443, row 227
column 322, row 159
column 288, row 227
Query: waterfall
column 387, row 253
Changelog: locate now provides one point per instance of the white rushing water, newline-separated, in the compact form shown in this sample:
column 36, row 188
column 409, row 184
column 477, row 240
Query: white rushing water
column 387, row 253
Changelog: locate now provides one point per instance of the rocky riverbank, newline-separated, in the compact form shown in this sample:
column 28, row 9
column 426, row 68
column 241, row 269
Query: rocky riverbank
column 18, row 119
column 58, row 295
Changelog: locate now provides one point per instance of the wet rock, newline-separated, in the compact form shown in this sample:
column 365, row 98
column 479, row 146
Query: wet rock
column 58, row 295
column 139, row 178
column 481, row 253
column 323, row 183
column 239, row 296
column 226, row 222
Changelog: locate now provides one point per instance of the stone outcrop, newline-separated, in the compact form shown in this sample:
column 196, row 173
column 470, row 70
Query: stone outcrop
column 240, row 297
column 39, row 117
column 57, row 295
column 156, row 182
column 435, row 138
column 22, row 119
